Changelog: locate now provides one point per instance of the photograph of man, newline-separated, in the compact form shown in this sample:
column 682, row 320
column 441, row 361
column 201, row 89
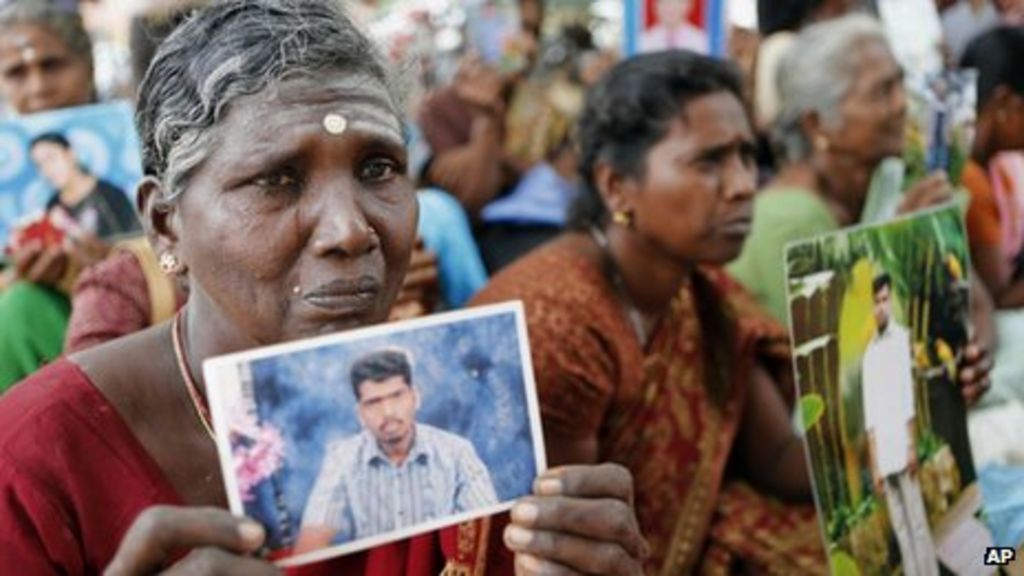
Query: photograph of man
column 889, row 420
column 672, row 30
column 97, row 206
column 396, row 472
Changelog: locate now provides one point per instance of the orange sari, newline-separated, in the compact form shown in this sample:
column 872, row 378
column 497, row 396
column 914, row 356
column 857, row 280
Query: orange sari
column 651, row 411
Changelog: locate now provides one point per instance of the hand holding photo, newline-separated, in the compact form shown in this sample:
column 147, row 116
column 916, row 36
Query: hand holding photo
column 345, row 442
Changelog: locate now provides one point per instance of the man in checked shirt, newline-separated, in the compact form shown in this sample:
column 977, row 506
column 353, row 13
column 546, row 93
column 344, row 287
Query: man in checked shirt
column 395, row 473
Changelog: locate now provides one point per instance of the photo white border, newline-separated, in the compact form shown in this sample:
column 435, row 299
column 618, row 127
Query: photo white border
column 223, row 370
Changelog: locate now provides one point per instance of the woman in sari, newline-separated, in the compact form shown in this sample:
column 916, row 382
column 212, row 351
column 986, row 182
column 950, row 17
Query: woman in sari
column 645, row 352
column 843, row 113
column 45, row 64
column 274, row 156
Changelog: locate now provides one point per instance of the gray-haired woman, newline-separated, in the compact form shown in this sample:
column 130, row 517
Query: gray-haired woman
column 275, row 183
column 843, row 110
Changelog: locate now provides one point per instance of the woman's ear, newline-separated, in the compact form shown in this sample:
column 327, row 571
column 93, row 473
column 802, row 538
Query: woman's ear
column 814, row 130
column 616, row 189
column 159, row 217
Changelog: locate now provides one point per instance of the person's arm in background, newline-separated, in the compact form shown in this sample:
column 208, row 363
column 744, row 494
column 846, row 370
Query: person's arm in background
column 772, row 453
column 471, row 167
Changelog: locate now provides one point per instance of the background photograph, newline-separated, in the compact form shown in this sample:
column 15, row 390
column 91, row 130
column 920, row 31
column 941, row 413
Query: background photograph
column 102, row 137
column 832, row 281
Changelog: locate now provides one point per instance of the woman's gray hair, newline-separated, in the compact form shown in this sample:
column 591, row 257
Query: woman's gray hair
column 816, row 74
column 64, row 23
column 232, row 49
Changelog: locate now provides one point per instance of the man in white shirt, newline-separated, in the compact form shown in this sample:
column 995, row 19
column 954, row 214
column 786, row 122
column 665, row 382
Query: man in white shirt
column 888, row 386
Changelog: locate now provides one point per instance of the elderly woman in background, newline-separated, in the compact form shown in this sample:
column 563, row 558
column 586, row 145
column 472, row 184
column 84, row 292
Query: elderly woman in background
column 645, row 352
column 45, row 64
column 278, row 190
column 843, row 113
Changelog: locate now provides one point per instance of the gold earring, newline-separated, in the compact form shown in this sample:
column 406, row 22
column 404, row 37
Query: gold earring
column 170, row 265
column 623, row 218
column 822, row 143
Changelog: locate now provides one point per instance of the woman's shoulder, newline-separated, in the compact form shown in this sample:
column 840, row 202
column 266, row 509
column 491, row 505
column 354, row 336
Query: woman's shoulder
column 564, row 272
column 36, row 408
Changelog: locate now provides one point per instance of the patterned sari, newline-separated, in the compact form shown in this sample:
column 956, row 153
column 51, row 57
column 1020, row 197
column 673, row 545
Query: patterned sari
column 651, row 411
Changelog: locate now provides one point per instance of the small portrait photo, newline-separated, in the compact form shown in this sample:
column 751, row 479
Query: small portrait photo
column 695, row 25
column 69, row 171
column 344, row 442
column 879, row 317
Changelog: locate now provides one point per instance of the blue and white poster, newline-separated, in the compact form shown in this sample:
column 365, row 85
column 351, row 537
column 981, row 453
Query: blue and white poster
column 102, row 137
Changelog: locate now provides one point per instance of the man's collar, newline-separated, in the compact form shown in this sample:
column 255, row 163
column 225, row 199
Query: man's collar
column 374, row 455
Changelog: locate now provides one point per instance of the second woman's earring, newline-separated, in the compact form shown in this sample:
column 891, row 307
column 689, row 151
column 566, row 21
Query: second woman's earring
column 623, row 218
column 170, row 265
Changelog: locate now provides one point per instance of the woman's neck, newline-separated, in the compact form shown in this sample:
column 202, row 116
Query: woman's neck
column 651, row 277
column 80, row 185
column 207, row 334
column 842, row 181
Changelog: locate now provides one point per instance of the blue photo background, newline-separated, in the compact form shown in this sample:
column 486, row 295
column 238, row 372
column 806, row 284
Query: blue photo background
column 471, row 382
column 104, row 140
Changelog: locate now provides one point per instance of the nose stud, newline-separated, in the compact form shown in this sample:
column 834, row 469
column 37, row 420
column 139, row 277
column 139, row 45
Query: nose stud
column 335, row 124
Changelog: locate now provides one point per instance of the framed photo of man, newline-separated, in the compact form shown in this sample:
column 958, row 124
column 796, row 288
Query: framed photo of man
column 697, row 25
column 345, row 442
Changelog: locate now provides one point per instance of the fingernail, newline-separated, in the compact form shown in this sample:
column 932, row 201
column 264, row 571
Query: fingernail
column 525, row 513
column 517, row 537
column 251, row 533
column 549, row 487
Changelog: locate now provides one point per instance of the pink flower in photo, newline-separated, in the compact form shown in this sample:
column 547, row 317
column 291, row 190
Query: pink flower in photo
column 258, row 452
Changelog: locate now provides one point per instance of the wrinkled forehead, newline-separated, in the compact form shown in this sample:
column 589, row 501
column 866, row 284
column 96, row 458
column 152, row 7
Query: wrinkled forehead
column 362, row 100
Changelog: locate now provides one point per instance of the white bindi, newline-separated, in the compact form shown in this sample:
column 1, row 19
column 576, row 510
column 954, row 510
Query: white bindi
column 335, row 124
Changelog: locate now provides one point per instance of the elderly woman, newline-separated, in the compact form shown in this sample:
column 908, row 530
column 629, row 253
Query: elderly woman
column 843, row 113
column 274, row 158
column 645, row 352
column 45, row 64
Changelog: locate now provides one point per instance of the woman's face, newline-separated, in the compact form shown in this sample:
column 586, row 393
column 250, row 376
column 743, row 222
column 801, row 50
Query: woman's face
column 39, row 72
column 289, row 229
column 695, row 201
column 873, row 114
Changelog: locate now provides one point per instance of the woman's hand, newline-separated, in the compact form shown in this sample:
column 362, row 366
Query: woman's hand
column 40, row 264
column 933, row 191
column 218, row 542
column 579, row 521
column 975, row 367
column 86, row 248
